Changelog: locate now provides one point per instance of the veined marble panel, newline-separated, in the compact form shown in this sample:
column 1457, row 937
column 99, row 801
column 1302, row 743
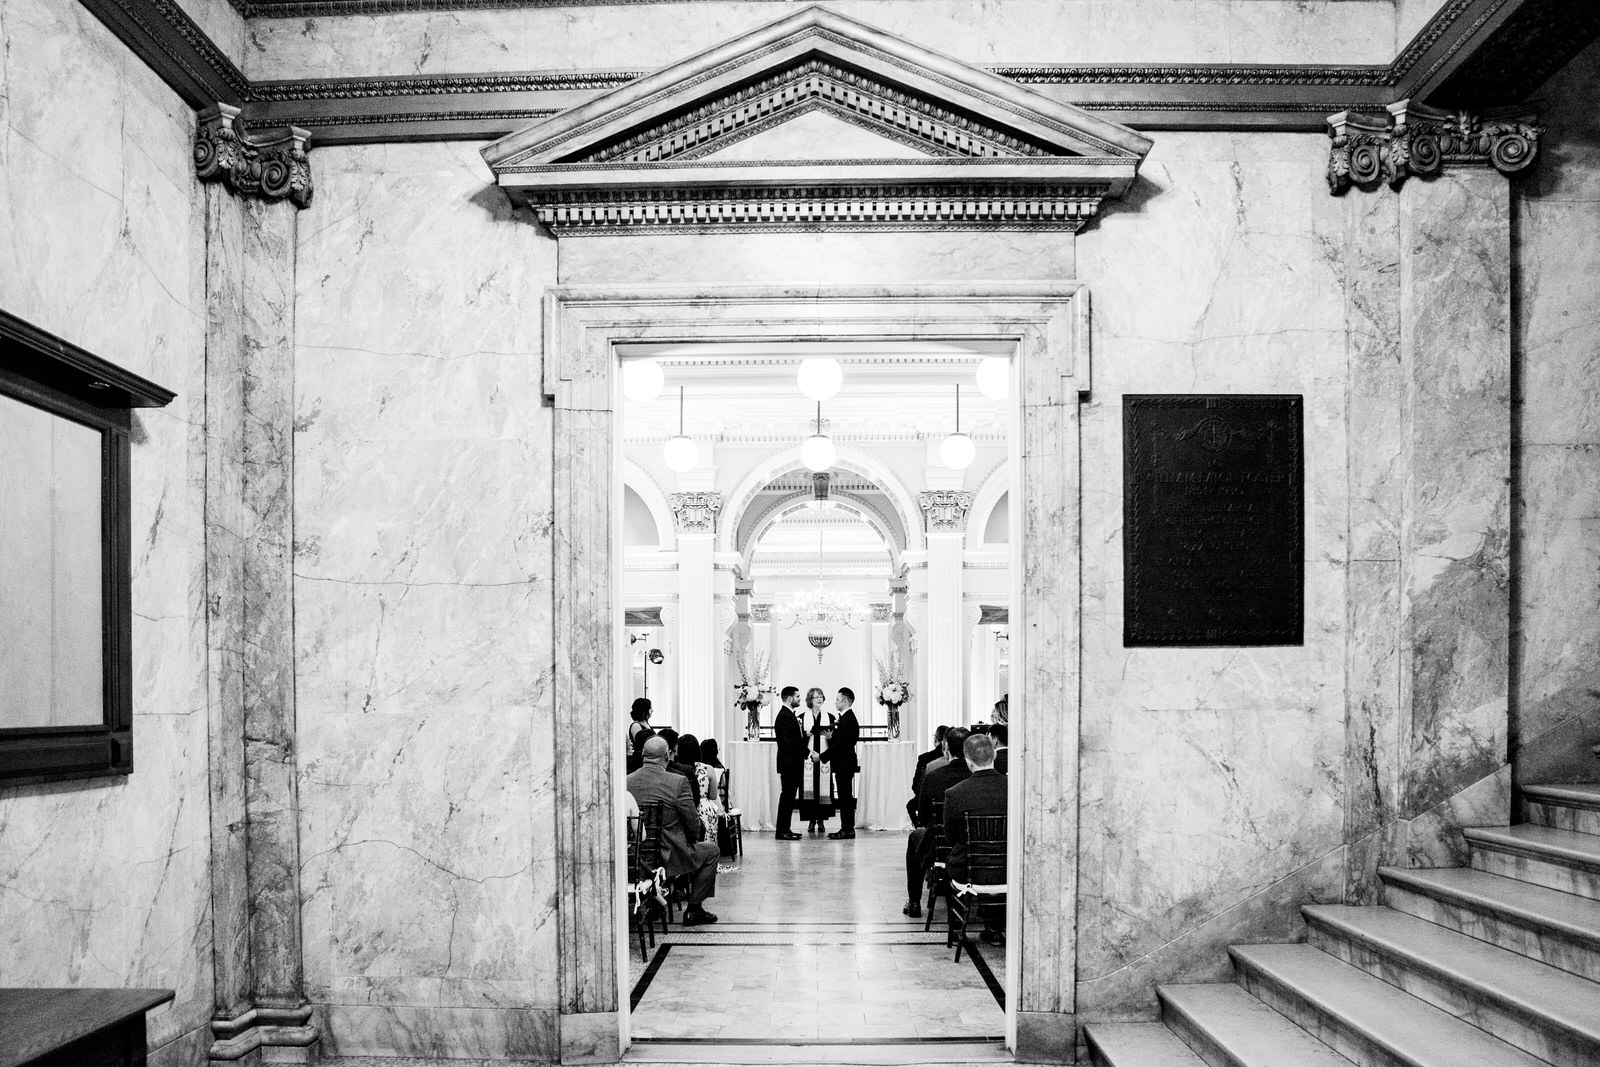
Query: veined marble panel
column 646, row 37
column 421, row 864
column 102, row 242
column 440, row 1033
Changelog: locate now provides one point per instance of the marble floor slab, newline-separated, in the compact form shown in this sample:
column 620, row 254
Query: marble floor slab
column 811, row 948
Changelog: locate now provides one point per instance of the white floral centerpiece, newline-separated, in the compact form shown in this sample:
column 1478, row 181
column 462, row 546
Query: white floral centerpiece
column 893, row 691
column 750, row 692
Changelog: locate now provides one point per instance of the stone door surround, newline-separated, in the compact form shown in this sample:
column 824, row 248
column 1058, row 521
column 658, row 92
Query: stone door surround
column 1047, row 323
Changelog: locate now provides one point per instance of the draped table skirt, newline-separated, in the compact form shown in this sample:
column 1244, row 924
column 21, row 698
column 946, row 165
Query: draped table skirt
column 882, row 787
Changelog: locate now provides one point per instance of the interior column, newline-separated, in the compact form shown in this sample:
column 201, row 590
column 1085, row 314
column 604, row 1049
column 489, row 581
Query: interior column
column 946, row 513
column 695, row 516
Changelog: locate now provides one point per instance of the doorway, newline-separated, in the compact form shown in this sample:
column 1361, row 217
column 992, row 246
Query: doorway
column 1044, row 327
column 823, row 581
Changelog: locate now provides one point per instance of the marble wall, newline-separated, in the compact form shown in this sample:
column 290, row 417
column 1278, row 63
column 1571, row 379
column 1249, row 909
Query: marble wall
column 423, row 607
column 102, row 241
column 631, row 36
column 1212, row 798
column 1556, row 717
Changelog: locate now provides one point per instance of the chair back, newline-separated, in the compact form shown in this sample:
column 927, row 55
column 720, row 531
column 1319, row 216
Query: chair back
column 650, row 855
column 941, row 848
column 635, row 828
column 986, row 849
column 722, row 791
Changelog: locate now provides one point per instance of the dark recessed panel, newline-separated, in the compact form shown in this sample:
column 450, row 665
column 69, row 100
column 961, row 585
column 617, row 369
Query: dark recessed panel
column 1213, row 520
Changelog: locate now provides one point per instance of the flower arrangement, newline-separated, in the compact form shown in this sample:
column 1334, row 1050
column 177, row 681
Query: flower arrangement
column 893, row 691
column 750, row 692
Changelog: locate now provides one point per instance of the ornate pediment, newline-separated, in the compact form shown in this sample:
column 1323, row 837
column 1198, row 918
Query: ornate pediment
column 815, row 122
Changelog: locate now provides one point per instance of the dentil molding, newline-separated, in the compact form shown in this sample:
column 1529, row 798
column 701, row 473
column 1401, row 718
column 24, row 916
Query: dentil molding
column 269, row 163
column 1414, row 139
column 946, row 509
column 695, row 512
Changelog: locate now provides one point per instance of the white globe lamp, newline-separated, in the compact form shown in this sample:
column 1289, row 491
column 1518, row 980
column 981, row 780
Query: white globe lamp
column 820, row 379
column 642, row 380
column 957, row 451
column 994, row 377
column 817, row 453
column 681, row 454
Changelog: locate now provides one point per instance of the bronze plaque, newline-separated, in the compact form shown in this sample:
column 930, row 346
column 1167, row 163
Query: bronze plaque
column 1213, row 520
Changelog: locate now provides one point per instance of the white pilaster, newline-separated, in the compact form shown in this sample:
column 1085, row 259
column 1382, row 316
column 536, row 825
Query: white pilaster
column 695, row 515
column 946, row 513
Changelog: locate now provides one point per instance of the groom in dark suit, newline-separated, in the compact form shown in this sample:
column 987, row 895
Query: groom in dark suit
column 841, row 756
column 791, row 760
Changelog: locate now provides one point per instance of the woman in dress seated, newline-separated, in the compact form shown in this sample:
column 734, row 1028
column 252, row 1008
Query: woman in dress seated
column 709, row 770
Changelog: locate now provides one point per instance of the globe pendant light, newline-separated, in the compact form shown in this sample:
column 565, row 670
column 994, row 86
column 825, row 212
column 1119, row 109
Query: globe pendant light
column 994, row 377
column 681, row 453
column 957, row 450
column 642, row 380
column 820, row 379
column 817, row 453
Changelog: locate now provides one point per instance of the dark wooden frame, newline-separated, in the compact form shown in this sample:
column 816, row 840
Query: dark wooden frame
column 48, row 373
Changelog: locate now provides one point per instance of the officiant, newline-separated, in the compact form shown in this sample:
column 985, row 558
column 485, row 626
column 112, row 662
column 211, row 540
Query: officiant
column 816, row 793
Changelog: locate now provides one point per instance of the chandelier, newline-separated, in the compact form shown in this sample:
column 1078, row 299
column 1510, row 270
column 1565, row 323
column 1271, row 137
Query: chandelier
column 822, row 607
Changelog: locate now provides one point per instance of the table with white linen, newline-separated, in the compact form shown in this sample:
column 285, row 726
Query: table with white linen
column 883, row 786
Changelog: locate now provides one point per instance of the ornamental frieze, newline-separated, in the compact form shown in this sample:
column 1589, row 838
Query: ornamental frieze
column 1416, row 140
column 268, row 163
column 695, row 512
column 946, row 509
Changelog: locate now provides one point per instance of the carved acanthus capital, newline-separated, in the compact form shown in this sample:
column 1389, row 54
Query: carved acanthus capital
column 760, row 612
column 269, row 163
column 695, row 512
column 1413, row 139
column 946, row 509
column 882, row 612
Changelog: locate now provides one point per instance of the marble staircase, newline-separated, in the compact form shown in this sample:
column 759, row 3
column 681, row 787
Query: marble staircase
column 1493, row 965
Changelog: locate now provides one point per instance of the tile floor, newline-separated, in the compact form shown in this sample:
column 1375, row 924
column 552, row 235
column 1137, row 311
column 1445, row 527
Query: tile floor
column 811, row 947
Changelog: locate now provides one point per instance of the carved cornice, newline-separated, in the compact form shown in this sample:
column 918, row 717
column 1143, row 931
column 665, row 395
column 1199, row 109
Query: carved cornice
column 894, row 114
column 440, row 85
column 945, row 509
column 1415, row 140
column 269, row 163
column 695, row 512
column 899, row 207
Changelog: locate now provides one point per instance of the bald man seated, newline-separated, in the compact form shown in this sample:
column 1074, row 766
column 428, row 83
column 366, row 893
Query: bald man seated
column 680, row 853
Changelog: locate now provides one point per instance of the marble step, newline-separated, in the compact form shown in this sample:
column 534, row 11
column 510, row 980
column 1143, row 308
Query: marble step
column 1137, row 1045
column 1561, row 929
column 1566, row 807
column 1536, row 1007
column 1230, row 1028
column 1543, row 855
column 1362, row 1017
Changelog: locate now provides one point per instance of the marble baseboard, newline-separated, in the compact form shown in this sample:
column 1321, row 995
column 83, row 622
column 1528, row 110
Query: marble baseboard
column 441, row 1033
column 1046, row 1037
column 185, row 1050
column 592, row 1037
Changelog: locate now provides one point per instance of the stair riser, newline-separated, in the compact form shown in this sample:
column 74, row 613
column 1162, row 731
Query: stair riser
column 1546, row 946
column 1342, row 1038
column 1581, row 820
column 1539, row 872
column 1204, row 1046
column 1539, row 1037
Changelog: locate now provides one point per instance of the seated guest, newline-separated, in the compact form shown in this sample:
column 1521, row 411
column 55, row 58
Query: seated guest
column 708, row 772
column 923, row 759
column 982, row 793
column 639, row 731
column 1002, row 755
column 654, row 784
column 920, row 846
column 685, row 753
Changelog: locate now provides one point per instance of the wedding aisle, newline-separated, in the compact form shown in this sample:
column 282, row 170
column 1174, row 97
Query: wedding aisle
column 811, row 949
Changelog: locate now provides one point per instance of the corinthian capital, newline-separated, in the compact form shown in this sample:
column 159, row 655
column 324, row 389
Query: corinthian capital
column 695, row 512
column 946, row 509
column 269, row 163
column 1414, row 139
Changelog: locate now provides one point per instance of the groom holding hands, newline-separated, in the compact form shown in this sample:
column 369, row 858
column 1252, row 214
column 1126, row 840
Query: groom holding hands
column 791, row 759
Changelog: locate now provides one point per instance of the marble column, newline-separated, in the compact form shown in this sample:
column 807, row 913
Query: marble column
column 1455, row 348
column 946, row 514
column 260, row 999
column 741, row 649
column 695, row 516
